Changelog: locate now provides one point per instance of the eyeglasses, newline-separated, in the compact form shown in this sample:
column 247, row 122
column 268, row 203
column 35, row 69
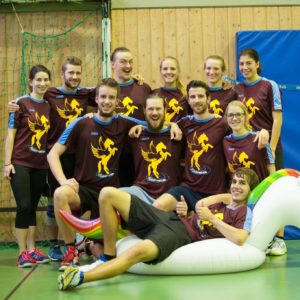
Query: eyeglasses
column 237, row 115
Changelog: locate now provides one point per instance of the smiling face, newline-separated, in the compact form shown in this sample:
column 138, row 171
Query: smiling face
column 107, row 101
column 39, row 84
column 155, row 113
column 122, row 66
column 214, row 70
column 236, row 119
column 169, row 72
column 249, row 68
column 240, row 190
column 71, row 76
column 198, row 100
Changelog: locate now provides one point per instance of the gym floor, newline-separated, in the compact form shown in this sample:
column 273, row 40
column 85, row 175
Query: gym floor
column 277, row 278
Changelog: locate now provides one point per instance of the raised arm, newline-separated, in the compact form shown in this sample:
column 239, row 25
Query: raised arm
column 225, row 198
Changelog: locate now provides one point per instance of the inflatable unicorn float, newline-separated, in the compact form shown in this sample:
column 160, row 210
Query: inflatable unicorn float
column 276, row 203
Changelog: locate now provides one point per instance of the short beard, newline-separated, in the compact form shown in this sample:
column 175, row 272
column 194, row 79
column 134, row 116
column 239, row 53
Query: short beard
column 67, row 83
column 157, row 128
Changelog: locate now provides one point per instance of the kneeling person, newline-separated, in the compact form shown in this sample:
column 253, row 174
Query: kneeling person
column 163, row 232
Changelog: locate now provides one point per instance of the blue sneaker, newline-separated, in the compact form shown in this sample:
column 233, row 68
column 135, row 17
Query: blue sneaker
column 55, row 253
column 38, row 256
column 70, row 278
column 24, row 260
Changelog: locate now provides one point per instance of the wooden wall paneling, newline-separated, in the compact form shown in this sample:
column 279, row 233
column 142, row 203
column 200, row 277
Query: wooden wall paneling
column 285, row 18
column 221, row 36
column 145, row 45
column 208, row 28
column 247, row 18
column 272, row 18
column 131, row 39
column 118, row 29
column 183, row 42
column 157, row 51
column 197, row 44
column 234, row 25
column 260, row 18
column 296, row 18
column 170, row 36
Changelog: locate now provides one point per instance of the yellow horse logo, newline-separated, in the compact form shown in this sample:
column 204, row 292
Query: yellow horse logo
column 214, row 105
column 104, row 153
column 251, row 107
column 39, row 128
column 127, row 103
column 194, row 148
column 155, row 156
column 238, row 160
column 174, row 106
column 71, row 111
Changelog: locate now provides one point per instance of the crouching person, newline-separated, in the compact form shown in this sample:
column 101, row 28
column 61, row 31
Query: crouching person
column 163, row 232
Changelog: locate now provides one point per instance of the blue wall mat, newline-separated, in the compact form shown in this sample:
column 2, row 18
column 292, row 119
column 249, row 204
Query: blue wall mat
column 279, row 52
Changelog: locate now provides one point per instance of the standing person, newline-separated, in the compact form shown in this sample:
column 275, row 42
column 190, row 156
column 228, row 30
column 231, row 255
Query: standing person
column 239, row 148
column 67, row 103
column 214, row 70
column 132, row 99
column 25, row 162
column 173, row 91
column 97, row 143
column 164, row 232
column 262, row 97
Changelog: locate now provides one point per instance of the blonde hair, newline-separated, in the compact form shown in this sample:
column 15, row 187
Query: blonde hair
column 219, row 58
column 179, row 84
column 243, row 107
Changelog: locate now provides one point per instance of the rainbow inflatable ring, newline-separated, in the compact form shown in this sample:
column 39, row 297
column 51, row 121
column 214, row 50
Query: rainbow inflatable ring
column 277, row 204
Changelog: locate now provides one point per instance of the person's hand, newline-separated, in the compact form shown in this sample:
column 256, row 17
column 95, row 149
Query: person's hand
column 12, row 106
column 263, row 138
column 175, row 132
column 138, row 78
column 72, row 183
column 8, row 170
column 135, row 131
column 181, row 207
column 204, row 214
column 89, row 115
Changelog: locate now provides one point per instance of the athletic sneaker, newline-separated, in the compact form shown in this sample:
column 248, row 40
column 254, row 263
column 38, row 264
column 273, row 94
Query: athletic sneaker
column 55, row 253
column 38, row 256
column 70, row 258
column 70, row 278
column 276, row 247
column 89, row 267
column 24, row 260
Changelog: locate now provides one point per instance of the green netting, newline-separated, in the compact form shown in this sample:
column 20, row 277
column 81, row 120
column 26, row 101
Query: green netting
column 44, row 38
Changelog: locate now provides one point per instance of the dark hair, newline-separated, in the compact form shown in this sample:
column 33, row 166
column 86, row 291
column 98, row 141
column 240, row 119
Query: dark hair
column 119, row 49
column 252, row 53
column 110, row 82
column 71, row 60
column 198, row 84
column 247, row 174
column 155, row 96
column 38, row 68
column 219, row 58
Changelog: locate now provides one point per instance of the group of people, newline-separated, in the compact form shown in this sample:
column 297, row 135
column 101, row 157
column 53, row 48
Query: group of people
column 186, row 144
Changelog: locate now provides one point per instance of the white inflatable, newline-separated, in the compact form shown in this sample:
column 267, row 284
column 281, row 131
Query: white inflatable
column 278, row 206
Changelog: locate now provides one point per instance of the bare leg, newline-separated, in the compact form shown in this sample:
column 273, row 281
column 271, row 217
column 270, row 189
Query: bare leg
column 65, row 198
column 110, row 201
column 51, row 225
column 21, row 235
column 165, row 202
column 31, row 237
column 143, row 251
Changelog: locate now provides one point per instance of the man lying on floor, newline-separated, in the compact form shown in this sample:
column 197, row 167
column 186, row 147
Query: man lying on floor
column 163, row 232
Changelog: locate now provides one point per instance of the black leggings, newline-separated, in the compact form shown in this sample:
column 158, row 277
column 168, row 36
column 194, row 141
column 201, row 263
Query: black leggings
column 27, row 185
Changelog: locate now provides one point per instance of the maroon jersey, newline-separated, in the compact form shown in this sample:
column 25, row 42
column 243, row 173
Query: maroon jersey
column 261, row 97
column 204, row 159
column 67, row 107
column 177, row 104
column 239, row 217
column 219, row 99
column 241, row 151
column 156, row 161
column 32, row 124
column 132, row 99
column 97, row 146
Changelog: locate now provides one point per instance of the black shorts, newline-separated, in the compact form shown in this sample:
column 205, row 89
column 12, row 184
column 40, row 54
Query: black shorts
column 89, row 201
column 191, row 197
column 164, row 229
